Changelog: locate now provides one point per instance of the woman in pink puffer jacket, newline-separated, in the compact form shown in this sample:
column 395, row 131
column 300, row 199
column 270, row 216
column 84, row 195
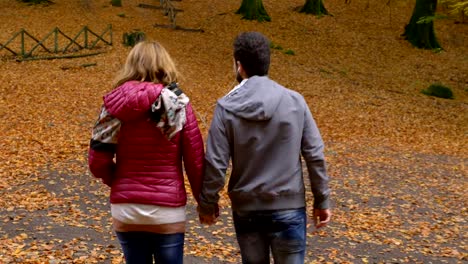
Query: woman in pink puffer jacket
column 145, row 130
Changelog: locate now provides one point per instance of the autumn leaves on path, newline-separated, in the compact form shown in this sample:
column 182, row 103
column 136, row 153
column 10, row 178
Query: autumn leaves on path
column 388, row 207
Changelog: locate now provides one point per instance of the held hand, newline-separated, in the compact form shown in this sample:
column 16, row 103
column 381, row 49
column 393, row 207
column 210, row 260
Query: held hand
column 208, row 219
column 321, row 217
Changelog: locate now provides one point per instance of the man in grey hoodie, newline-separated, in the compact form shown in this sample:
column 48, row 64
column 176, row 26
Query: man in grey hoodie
column 263, row 128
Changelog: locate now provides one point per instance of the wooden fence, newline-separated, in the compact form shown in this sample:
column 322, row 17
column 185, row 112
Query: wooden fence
column 55, row 42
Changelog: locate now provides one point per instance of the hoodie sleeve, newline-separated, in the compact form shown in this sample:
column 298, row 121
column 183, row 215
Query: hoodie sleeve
column 102, row 146
column 217, row 161
column 193, row 152
column 312, row 150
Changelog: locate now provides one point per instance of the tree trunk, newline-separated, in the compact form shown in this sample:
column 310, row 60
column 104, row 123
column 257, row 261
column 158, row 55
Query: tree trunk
column 253, row 10
column 422, row 35
column 314, row 7
column 116, row 2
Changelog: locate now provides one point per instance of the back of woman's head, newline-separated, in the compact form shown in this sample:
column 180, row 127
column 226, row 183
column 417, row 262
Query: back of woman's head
column 150, row 62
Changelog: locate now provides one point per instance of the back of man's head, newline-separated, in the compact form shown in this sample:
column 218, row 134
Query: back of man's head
column 252, row 50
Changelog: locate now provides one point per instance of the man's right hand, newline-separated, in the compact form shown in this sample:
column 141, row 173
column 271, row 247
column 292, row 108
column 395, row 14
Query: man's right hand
column 207, row 219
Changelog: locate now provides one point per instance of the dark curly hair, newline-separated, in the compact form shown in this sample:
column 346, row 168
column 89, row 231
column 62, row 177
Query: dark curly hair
column 252, row 50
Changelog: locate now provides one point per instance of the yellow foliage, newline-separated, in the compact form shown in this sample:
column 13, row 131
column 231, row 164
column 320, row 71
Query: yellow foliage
column 457, row 7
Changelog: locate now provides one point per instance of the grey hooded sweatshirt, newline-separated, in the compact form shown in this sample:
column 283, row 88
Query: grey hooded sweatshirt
column 264, row 128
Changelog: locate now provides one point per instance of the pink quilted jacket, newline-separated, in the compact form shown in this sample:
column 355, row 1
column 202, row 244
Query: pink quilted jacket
column 148, row 167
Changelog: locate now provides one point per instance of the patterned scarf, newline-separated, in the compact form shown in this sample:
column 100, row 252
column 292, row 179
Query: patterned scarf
column 168, row 111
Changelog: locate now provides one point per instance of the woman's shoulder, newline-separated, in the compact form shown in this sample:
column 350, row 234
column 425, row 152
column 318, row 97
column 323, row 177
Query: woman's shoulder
column 136, row 88
column 132, row 96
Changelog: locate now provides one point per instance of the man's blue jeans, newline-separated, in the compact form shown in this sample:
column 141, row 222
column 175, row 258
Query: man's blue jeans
column 282, row 231
column 142, row 247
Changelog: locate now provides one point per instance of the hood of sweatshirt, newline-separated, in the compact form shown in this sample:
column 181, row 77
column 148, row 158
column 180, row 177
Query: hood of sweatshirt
column 256, row 100
column 132, row 99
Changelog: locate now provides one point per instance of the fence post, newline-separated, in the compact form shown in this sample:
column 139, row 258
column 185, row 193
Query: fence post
column 110, row 28
column 56, row 40
column 85, row 36
column 22, row 43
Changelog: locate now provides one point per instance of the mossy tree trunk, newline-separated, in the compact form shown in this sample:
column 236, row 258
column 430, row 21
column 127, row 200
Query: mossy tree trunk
column 315, row 7
column 253, row 10
column 422, row 34
column 116, row 2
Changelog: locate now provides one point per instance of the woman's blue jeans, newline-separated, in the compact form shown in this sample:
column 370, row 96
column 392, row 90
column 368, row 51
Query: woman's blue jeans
column 143, row 247
column 281, row 231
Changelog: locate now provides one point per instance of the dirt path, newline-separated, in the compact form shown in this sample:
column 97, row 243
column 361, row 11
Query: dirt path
column 390, row 207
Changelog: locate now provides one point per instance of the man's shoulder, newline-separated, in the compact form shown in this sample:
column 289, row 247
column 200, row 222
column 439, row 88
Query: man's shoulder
column 219, row 109
column 294, row 95
column 287, row 90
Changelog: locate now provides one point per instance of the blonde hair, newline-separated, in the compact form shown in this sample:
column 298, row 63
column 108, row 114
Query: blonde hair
column 150, row 62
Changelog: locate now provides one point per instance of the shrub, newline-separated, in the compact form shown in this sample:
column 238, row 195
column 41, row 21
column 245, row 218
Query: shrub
column 36, row 2
column 438, row 90
column 132, row 38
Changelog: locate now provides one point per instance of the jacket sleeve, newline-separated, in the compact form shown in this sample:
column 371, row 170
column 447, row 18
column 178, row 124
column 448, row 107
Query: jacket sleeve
column 102, row 147
column 193, row 152
column 312, row 151
column 217, row 161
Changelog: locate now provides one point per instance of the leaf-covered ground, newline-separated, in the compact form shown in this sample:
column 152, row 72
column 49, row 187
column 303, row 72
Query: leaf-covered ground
column 397, row 158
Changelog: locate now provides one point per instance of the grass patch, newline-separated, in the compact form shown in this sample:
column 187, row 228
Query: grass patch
column 279, row 47
column 275, row 46
column 289, row 52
